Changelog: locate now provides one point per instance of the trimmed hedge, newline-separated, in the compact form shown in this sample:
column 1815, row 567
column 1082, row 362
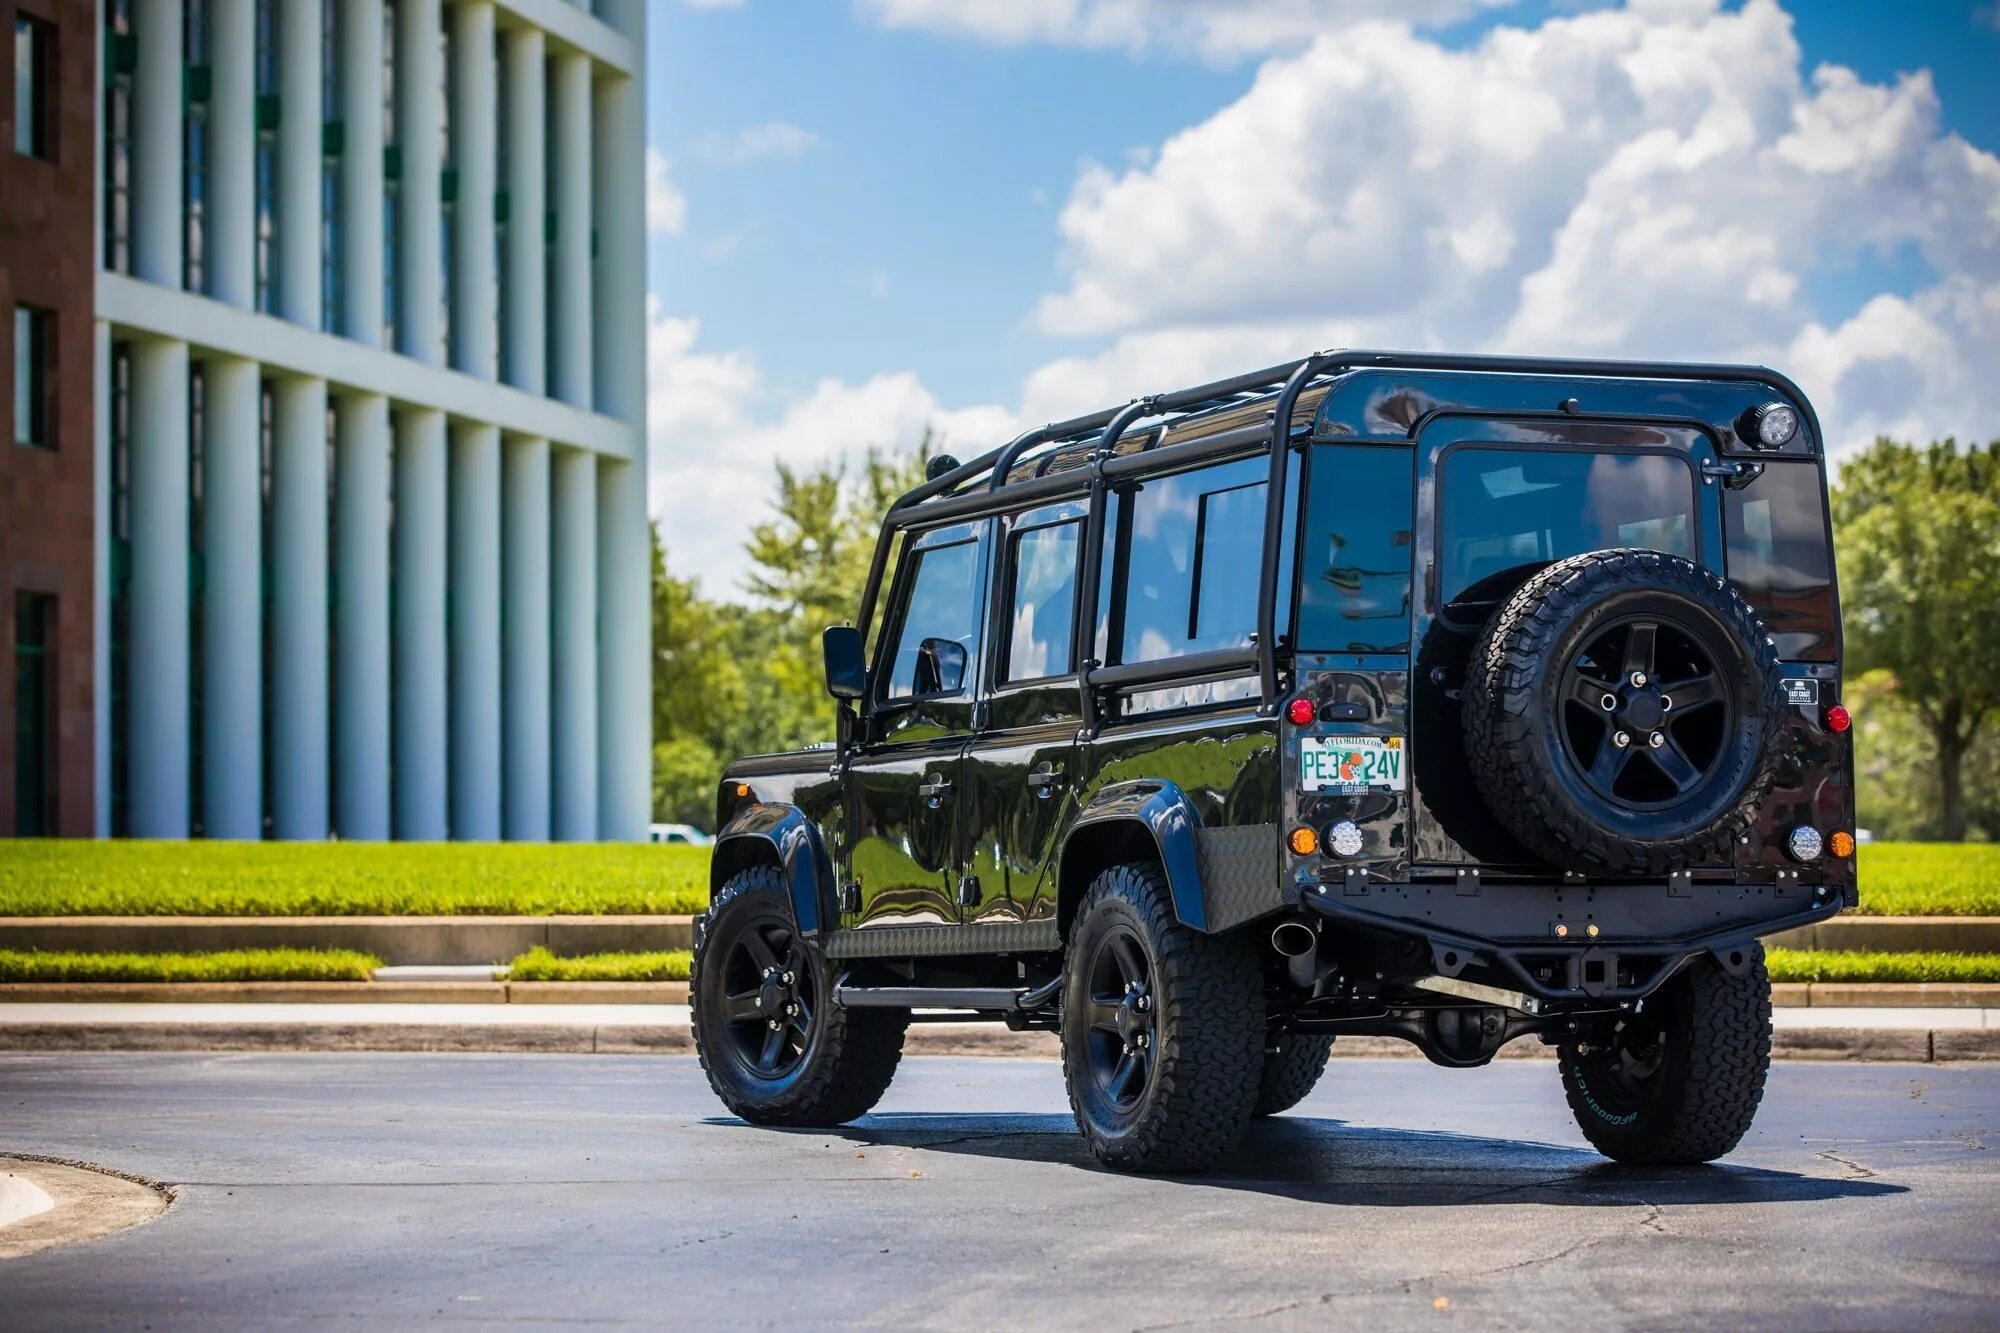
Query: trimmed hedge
column 1832, row 965
column 21, row 965
column 541, row 965
column 52, row 877
column 1929, row 878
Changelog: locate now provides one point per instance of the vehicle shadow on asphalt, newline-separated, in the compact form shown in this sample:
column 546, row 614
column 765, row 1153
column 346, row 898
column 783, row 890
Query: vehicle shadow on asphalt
column 1319, row 1160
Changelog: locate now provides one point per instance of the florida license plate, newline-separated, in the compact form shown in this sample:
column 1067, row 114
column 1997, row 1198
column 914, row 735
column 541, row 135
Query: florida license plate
column 1352, row 765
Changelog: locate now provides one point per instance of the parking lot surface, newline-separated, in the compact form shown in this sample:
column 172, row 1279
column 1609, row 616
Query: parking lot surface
column 559, row 1190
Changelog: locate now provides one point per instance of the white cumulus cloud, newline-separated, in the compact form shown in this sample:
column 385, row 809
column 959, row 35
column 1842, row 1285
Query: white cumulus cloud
column 666, row 206
column 751, row 143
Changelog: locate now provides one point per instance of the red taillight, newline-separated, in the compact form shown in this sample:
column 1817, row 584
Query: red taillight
column 1301, row 712
column 1838, row 719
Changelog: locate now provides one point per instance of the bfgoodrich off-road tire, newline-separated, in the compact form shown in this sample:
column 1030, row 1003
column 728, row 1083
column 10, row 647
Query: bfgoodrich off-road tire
column 1162, row 1028
column 1291, row 1071
column 1680, row 1082
column 819, row 1064
column 1623, row 713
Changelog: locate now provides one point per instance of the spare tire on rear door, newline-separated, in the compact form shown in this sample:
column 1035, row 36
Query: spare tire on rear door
column 1623, row 712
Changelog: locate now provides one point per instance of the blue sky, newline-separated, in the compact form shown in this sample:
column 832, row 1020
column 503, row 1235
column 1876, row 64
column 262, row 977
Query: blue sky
column 863, row 227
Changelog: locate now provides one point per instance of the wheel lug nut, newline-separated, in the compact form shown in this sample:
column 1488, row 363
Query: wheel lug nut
column 1144, row 1004
column 1666, row 702
column 1657, row 739
column 791, row 1010
column 1621, row 739
column 774, row 1025
column 1639, row 679
column 787, row 978
column 1140, row 1041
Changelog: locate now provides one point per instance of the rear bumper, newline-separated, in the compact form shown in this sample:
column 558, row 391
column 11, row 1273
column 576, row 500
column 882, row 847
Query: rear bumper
column 1576, row 943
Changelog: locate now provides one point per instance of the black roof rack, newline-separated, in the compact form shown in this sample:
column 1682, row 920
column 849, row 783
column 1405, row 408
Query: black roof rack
column 950, row 494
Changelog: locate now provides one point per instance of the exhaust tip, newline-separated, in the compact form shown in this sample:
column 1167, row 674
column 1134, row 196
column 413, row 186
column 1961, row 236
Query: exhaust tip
column 1294, row 939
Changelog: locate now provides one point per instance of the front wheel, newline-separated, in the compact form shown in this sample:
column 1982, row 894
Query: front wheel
column 1162, row 1028
column 775, row 1047
column 1678, row 1082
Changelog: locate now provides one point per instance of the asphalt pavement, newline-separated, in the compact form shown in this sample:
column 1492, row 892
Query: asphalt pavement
column 391, row 1190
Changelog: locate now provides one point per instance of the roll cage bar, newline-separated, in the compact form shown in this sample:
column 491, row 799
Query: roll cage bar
column 956, row 494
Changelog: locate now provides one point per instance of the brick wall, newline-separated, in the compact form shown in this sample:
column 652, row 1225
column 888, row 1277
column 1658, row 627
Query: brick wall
column 48, row 259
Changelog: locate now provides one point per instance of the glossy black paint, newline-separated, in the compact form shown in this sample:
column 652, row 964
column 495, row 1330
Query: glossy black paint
column 970, row 824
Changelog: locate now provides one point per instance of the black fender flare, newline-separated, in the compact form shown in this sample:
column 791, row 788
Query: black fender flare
column 1168, row 819
column 767, row 832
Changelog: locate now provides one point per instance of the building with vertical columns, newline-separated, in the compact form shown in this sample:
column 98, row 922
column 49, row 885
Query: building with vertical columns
column 328, row 482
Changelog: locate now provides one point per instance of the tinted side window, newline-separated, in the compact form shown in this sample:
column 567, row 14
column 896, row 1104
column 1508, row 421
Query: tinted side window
column 1189, row 558
column 1504, row 508
column 937, row 632
column 1779, row 556
column 1042, row 610
column 1354, row 571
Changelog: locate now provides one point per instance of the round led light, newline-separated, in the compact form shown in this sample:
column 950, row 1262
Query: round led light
column 1838, row 719
column 1841, row 844
column 1769, row 425
column 1303, row 841
column 1301, row 712
column 1344, row 838
column 1805, row 844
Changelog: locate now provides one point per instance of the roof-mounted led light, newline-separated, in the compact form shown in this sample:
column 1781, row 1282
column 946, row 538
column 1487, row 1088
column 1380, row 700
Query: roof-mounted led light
column 1768, row 426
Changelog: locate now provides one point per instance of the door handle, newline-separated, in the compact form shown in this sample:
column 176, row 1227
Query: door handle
column 1044, row 783
column 934, row 788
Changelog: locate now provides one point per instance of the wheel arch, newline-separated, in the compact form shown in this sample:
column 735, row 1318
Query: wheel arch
column 782, row 837
column 1133, row 821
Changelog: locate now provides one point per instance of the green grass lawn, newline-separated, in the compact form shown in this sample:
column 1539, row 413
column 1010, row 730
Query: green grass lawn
column 1829, row 965
column 17, row 965
column 541, row 965
column 82, row 878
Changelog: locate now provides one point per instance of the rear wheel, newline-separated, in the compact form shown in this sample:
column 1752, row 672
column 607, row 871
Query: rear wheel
column 1291, row 1071
column 1679, row 1081
column 1162, row 1028
column 775, row 1048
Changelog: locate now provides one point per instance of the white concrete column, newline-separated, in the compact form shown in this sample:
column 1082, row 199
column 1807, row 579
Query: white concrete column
column 419, row 539
column 361, row 620
column 619, row 210
column 299, row 686
column 100, row 643
column 419, row 75
column 229, row 258
column 524, row 572
column 524, row 356
column 157, row 675
column 570, row 319
column 573, row 612
column 624, row 654
column 475, row 634
column 361, row 173
column 157, row 222
column 299, row 157
column 232, row 621
column 473, row 128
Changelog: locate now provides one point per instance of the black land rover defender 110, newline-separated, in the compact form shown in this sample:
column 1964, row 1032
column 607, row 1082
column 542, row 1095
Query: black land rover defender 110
column 1454, row 699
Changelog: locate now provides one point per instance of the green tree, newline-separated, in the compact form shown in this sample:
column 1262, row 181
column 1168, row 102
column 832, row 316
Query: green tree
column 1918, row 536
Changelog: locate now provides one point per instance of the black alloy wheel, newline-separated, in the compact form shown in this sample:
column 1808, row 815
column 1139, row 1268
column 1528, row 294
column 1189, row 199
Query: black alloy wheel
column 1121, row 1042
column 1645, row 713
column 769, row 992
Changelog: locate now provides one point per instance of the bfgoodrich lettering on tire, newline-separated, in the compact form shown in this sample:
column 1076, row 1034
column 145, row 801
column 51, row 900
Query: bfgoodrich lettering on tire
column 1678, row 1082
column 775, row 1047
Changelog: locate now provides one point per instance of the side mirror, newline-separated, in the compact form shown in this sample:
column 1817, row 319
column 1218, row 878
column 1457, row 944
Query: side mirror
column 846, row 668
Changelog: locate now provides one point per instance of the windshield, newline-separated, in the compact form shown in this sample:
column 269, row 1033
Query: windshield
column 1501, row 509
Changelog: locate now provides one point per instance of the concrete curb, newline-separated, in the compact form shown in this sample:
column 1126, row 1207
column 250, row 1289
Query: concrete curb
column 1896, row 934
column 1918, row 1045
column 457, row 940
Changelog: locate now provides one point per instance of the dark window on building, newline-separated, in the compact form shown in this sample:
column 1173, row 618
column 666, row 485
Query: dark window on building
column 267, row 110
column 1041, row 610
column 120, row 59
column 936, row 634
column 34, row 83
column 447, row 188
column 194, row 146
column 1354, row 567
column 392, row 171
column 1780, row 557
column 197, row 590
column 118, row 480
column 1189, row 558
column 1502, row 509
column 34, row 714
column 332, row 135
column 34, row 350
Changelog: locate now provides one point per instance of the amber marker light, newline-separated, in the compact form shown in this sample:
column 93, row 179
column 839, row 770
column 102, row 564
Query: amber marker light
column 1301, row 712
column 1841, row 844
column 1304, row 842
column 742, row 789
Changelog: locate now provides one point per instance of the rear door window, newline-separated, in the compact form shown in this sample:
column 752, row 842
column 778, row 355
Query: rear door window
column 1354, row 566
column 1779, row 557
column 1501, row 509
